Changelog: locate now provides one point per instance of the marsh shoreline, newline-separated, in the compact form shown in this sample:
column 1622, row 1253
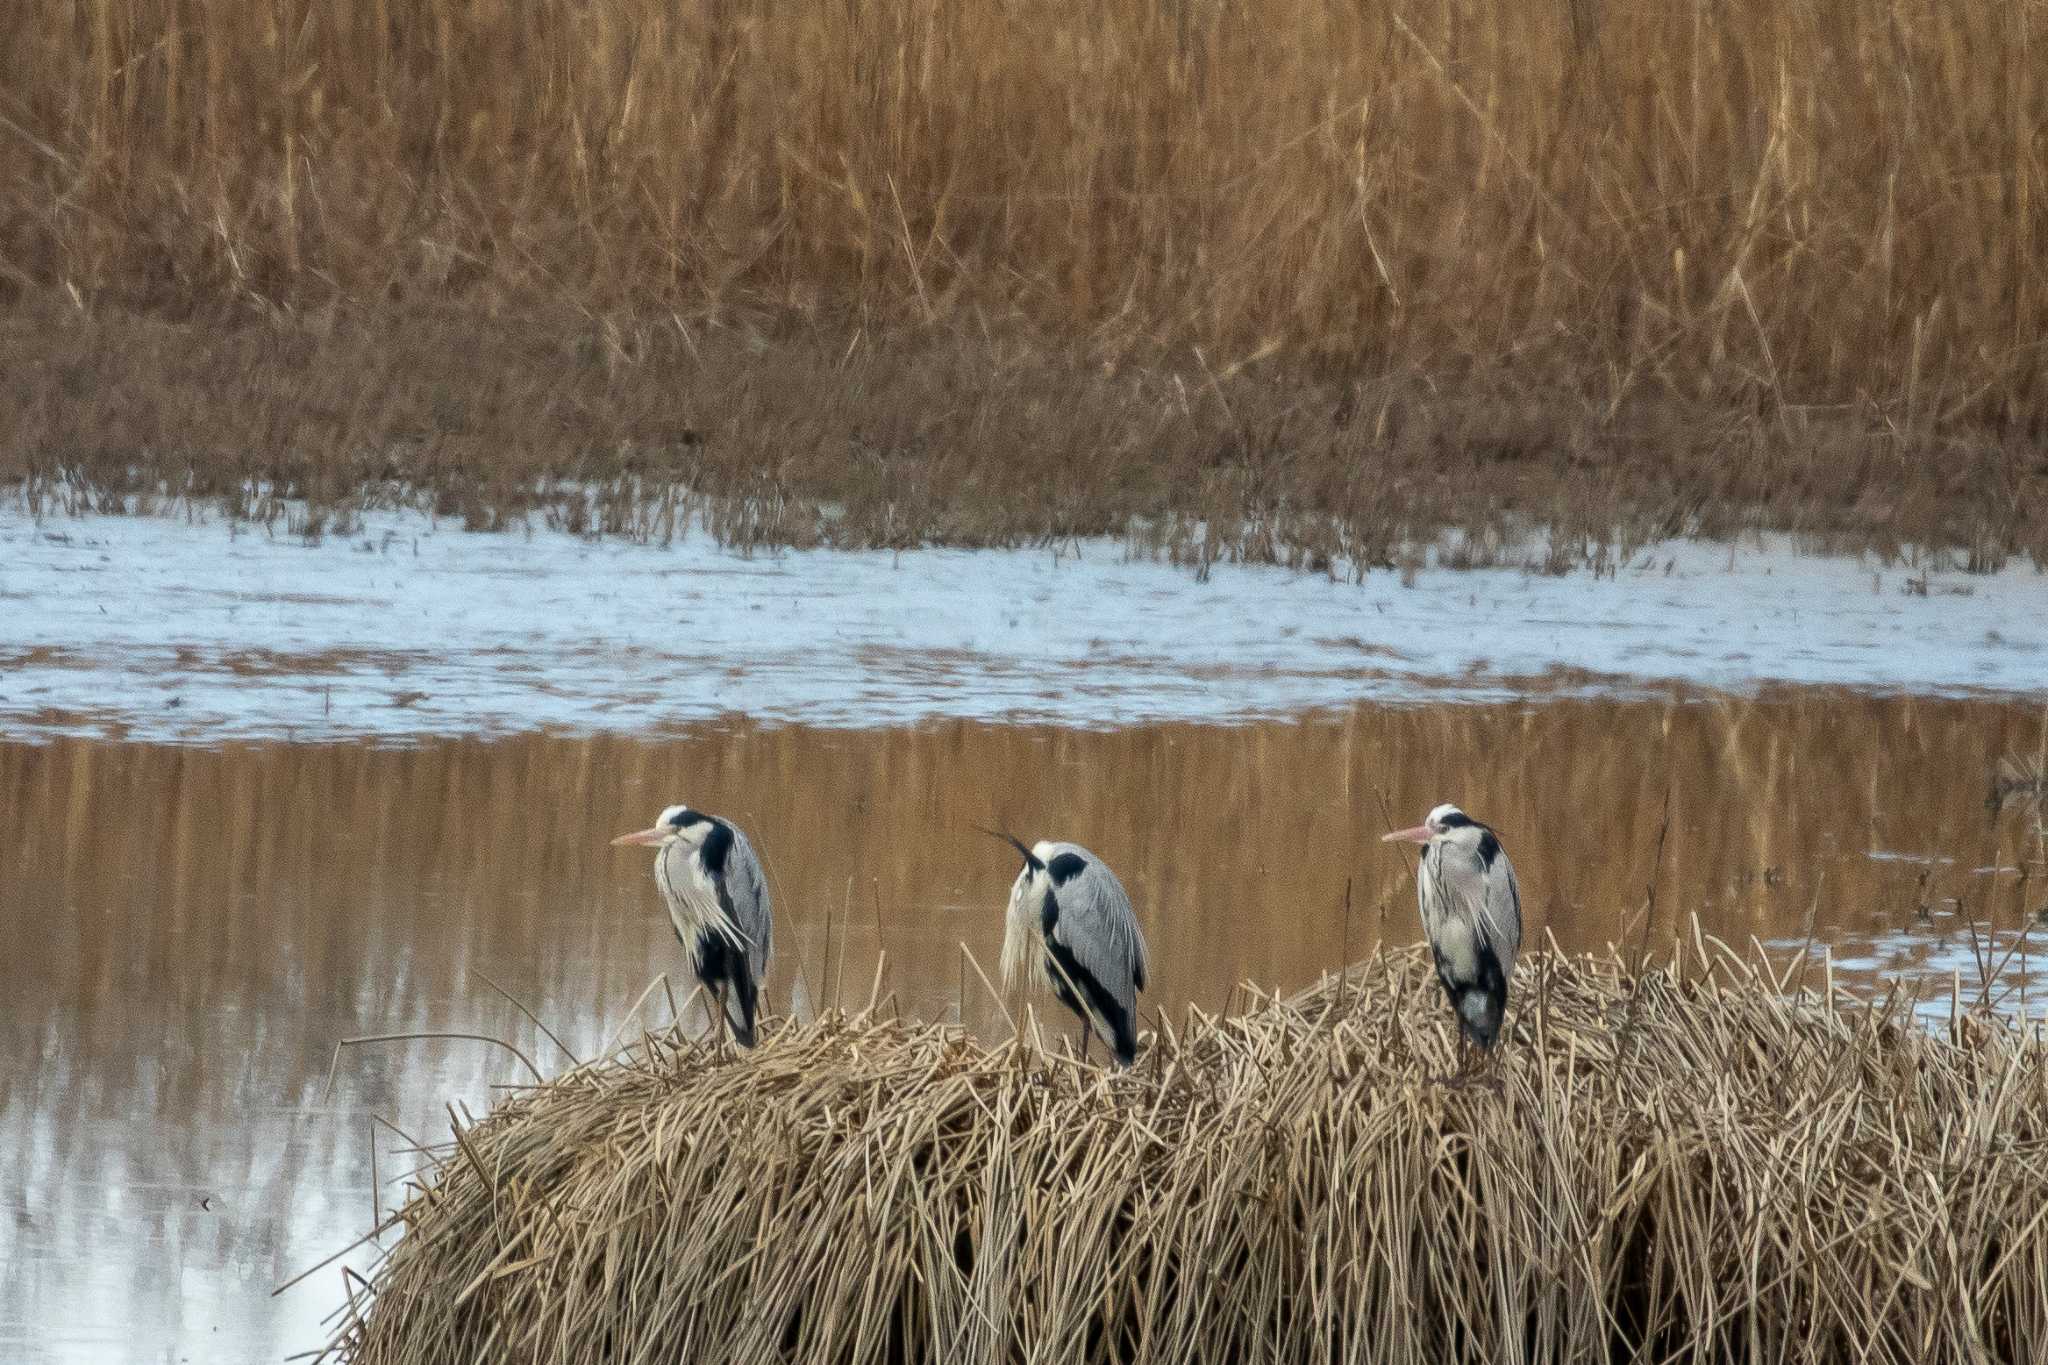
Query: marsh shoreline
column 780, row 432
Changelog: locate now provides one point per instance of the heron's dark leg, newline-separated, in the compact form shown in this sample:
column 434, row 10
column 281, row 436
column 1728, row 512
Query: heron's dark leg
column 712, row 974
column 1087, row 1037
column 724, row 1020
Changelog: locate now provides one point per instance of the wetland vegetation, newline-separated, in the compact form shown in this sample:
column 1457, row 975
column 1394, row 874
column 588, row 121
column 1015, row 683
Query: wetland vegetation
column 1293, row 284
column 1685, row 1163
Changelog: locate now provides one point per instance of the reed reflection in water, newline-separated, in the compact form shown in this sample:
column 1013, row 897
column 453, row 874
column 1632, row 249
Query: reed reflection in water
column 194, row 930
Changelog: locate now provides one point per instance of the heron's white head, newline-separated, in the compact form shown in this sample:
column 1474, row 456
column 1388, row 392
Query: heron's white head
column 1034, row 869
column 1438, row 823
column 676, row 825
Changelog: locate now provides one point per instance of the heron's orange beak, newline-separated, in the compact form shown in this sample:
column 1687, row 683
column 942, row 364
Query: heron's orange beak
column 1418, row 835
column 645, row 836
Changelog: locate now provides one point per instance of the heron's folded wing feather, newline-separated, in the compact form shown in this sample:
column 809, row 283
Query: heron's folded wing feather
column 1098, row 926
column 746, row 887
column 1500, row 911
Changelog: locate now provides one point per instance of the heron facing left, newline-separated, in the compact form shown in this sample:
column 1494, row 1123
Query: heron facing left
column 1472, row 916
column 718, row 901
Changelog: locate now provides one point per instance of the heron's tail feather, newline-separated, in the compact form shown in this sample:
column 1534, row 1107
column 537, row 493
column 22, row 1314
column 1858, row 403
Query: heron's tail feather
column 1481, row 1005
column 741, row 1001
column 1479, row 1013
column 1125, row 1044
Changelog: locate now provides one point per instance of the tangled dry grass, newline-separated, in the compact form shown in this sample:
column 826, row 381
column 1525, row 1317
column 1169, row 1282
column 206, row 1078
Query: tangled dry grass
column 1682, row 1164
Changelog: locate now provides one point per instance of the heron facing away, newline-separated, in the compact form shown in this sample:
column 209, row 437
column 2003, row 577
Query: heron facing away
column 1070, row 926
column 1472, row 916
column 718, row 901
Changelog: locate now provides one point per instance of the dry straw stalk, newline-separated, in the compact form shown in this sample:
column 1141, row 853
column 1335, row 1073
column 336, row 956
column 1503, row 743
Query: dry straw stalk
column 1681, row 1164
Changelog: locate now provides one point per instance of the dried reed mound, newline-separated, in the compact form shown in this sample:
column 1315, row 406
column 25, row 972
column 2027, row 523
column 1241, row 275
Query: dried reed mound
column 1686, row 1164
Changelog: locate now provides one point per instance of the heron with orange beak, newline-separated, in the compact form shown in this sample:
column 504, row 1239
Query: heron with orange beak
column 1472, row 916
column 718, row 901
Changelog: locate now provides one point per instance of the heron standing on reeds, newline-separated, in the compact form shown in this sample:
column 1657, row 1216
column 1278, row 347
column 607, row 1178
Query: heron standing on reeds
column 1070, row 918
column 1472, row 916
column 718, row 901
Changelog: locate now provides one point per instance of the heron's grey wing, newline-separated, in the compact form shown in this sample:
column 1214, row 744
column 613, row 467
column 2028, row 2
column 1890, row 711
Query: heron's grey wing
column 1144, row 963
column 746, row 888
column 1500, row 911
column 1098, row 926
column 1480, row 893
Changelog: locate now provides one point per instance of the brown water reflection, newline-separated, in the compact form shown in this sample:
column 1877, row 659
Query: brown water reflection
column 191, row 931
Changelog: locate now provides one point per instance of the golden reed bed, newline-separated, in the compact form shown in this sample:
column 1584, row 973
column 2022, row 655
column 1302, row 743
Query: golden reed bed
column 1836, row 202
column 1301, row 280
column 1688, row 1163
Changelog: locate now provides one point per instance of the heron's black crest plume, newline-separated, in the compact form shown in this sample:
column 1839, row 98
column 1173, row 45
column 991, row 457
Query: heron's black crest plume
column 1031, row 860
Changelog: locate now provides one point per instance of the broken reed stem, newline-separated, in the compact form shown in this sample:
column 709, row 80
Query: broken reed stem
column 531, row 1017
column 334, row 1063
column 1344, row 972
column 845, row 926
column 1642, row 953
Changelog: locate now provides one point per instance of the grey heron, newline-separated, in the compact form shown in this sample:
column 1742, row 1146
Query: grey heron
column 718, row 901
column 1070, row 926
column 1472, row 916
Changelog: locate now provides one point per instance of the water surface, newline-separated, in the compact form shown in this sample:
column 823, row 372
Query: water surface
column 152, row 628
column 266, row 791
column 195, row 927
